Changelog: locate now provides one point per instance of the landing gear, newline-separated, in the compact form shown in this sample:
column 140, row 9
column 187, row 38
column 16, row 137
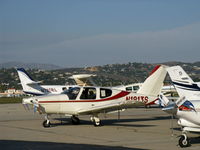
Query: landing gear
column 75, row 120
column 184, row 141
column 46, row 123
column 96, row 121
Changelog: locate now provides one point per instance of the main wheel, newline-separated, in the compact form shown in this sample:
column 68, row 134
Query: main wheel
column 75, row 120
column 184, row 141
column 97, row 123
column 46, row 124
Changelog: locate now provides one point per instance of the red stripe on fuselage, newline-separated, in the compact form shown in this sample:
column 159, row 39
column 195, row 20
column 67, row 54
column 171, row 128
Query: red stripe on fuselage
column 119, row 95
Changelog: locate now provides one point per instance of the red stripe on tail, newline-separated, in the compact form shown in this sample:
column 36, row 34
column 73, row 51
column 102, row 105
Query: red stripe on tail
column 155, row 69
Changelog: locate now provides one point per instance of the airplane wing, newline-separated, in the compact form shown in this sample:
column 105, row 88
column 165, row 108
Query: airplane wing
column 34, row 82
column 83, row 79
column 103, row 109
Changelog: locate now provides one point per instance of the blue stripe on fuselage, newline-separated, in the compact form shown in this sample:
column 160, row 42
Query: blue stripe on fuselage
column 32, row 93
column 192, row 87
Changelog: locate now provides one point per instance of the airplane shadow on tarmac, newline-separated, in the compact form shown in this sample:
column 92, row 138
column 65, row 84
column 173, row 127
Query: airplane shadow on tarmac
column 34, row 145
column 112, row 122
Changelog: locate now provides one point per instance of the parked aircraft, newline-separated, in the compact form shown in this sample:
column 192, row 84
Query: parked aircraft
column 187, row 108
column 91, row 100
column 35, row 88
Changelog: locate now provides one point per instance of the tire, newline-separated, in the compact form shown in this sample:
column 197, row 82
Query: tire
column 97, row 124
column 184, row 142
column 75, row 120
column 45, row 124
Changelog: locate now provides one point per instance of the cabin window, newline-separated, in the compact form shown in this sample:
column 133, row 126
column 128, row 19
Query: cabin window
column 105, row 93
column 135, row 88
column 64, row 88
column 72, row 92
column 88, row 93
column 129, row 88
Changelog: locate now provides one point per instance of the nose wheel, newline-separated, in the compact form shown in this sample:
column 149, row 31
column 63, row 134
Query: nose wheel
column 46, row 123
column 96, row 121
column 184, row 141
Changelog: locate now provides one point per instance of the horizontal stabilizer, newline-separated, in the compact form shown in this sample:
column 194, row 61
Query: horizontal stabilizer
column 34, row 82
column 83, row 79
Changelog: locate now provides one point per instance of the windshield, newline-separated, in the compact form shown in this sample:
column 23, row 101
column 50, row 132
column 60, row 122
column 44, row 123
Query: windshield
column 72, row 92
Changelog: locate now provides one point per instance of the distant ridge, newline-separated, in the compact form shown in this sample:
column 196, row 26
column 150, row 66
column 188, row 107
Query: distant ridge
column 173, row 63
column 13, row 64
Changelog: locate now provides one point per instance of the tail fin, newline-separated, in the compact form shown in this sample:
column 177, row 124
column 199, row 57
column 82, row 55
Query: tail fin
column 24, row 77
column 28, row 84
column 184, row 85
column 153, row 84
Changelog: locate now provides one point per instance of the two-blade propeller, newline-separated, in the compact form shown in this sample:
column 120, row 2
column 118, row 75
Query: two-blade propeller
column 31, row 101
column 172, row 106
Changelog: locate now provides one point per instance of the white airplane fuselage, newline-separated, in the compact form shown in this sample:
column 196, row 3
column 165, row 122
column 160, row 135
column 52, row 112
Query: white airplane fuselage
column 62, row 104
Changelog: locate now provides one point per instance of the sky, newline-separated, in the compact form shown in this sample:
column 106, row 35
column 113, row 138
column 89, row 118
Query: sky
column 80, row 33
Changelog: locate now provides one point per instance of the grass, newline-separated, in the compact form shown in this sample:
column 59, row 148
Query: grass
column 8, row 100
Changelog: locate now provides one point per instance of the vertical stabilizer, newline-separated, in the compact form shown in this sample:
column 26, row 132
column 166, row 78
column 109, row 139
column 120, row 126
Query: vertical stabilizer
column 24, row 77
column 153, row 84
column 184, row 85
column 28, row 84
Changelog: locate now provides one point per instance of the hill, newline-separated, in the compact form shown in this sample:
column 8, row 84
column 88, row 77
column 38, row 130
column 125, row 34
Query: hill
column 9, row 65
column 107, row 75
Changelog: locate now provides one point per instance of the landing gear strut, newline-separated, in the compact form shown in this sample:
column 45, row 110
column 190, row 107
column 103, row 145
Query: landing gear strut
column 184, row 141
column 96, row 121
column 75, row 120
column 46, row 123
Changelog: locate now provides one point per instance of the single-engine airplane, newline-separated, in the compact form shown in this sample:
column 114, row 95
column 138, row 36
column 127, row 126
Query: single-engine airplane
column 187, row 108
column 90, row 100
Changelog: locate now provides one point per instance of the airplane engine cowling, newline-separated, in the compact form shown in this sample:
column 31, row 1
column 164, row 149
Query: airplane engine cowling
column 186, row 123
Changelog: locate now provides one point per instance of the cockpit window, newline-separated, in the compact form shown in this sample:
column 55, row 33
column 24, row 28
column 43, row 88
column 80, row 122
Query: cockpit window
column 129, row 88
column 105, row 93
column 135, row 88
column 72, row 92
column 88, row 93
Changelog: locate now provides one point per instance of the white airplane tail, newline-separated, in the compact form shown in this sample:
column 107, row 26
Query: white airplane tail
column 28, row 84
column 153, row 84
column 184, row 85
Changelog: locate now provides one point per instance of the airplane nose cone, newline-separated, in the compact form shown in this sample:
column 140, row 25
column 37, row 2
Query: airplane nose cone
column 27, row 100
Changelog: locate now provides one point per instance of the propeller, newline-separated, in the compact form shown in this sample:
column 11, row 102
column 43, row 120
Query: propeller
column 172, row 108
column 26, row 106
column 36, row 106
column 31, row 101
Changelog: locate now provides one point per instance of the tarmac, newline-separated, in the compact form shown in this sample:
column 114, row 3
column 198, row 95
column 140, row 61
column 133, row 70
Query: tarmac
column 137, row 128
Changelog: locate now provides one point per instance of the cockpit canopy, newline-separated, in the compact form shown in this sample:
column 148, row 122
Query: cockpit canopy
column 88, row 93
column 72, row 93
